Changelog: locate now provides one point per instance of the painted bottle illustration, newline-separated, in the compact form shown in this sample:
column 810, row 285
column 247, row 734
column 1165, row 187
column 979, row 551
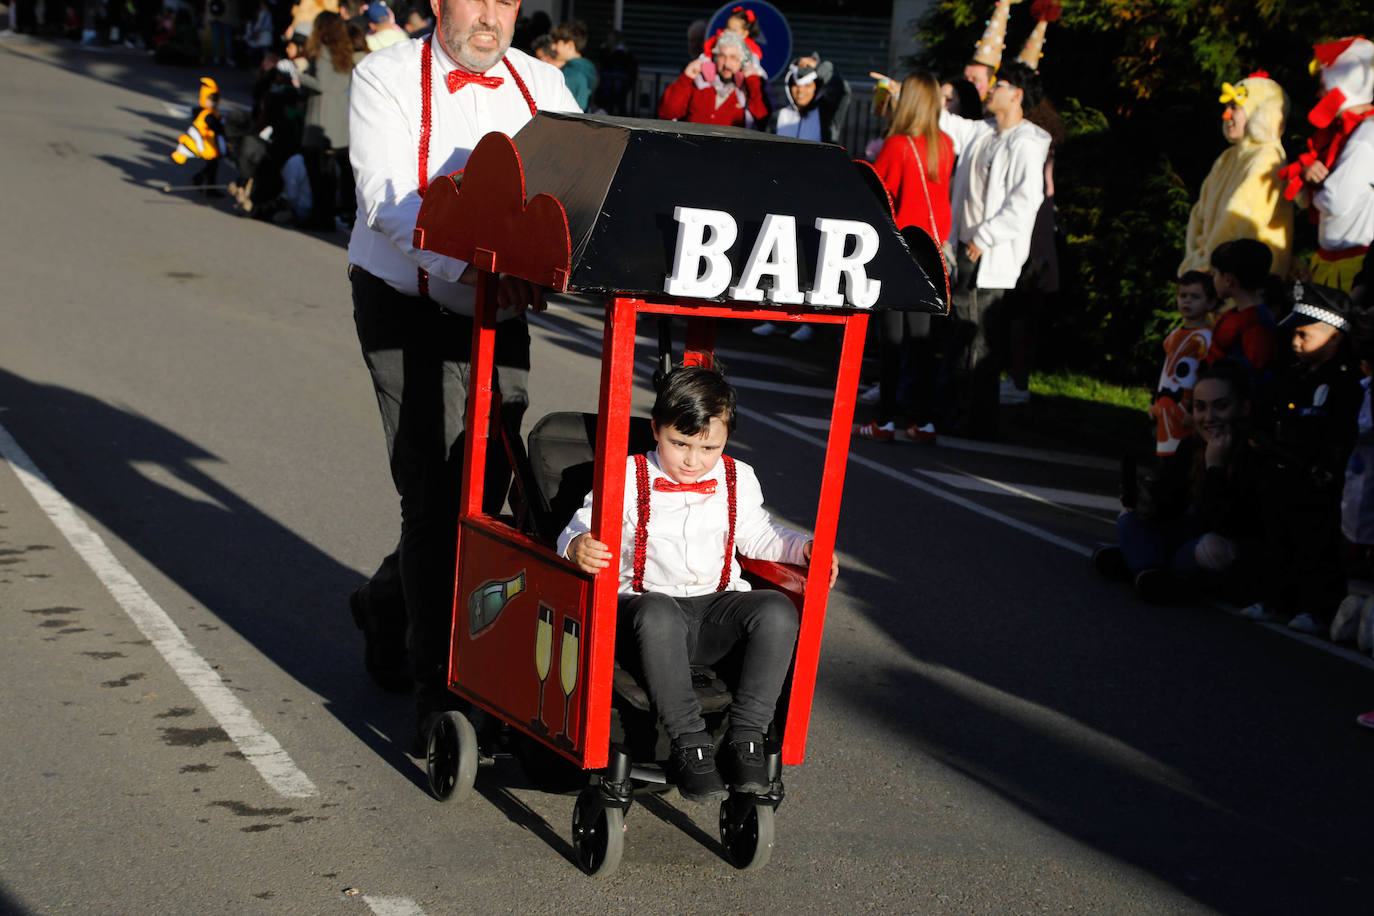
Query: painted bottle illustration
column 489, row 599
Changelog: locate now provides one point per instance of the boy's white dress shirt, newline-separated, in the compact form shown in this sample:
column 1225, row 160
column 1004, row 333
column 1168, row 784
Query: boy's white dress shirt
column 384, row 129
column 686, row 544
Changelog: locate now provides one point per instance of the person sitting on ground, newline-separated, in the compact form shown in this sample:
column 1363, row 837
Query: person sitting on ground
column 1310, row 434
column 1245, row 330
column 683, row 600
column 579, row 73
column 725, row 90
column 1195, row 523
column 382, row 27
column 914, row 165
column 1185, row 349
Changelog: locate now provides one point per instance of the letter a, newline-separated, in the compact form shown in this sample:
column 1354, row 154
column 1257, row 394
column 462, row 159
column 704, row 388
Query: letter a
column 775, row 255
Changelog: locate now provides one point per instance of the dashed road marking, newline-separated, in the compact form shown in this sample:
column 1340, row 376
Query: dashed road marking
column 259, row 747
column 393, row 906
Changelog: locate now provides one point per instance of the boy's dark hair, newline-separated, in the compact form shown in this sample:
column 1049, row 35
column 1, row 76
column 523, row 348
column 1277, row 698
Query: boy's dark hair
column 1198, row 278
column 1248, row 260
column 542, row 43
column 1230, row 372
column 690, row 397
column 1025, row 79
column 576, row 32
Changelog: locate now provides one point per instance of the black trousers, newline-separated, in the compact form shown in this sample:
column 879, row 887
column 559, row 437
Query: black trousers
column 672, row 634
column 418, row 353
column 975, row 350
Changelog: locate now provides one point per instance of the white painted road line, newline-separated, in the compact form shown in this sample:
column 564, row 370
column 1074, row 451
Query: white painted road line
column 393, row 906
column 259, row 747
column 918, row 484
column 1048, row 495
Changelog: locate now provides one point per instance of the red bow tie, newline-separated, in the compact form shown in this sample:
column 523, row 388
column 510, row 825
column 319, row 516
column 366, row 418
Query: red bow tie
column 672, row 486
column 457, row 79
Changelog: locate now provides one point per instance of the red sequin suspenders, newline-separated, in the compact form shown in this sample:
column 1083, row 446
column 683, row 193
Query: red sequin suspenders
column 426, row 115
column 641, row 548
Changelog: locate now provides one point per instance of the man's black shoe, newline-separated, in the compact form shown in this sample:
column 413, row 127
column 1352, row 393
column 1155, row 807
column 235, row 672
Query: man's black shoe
column 692, row 768
column 742, row 763
column 384, row 654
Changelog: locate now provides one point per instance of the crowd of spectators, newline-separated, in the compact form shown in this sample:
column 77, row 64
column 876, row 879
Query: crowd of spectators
column 1261, row 493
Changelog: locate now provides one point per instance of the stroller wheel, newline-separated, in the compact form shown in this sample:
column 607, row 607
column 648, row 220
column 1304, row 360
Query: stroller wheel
column 746, row 831
column 598, row 834
column 451, row 760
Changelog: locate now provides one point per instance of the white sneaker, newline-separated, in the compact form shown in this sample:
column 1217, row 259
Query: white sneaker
column 1346, row 624
column 1008, row 393
column 802, row 334
column 763, row 330
column 1259, row 613
column 1364, row 637
column 871, row 394
column 1306, row 623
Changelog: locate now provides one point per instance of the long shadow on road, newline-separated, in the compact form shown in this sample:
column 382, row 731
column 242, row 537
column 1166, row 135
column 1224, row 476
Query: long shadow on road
column 280, row 592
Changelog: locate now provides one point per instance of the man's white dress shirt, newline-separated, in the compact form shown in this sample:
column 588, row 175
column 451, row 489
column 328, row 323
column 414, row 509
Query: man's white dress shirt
column 384, row 130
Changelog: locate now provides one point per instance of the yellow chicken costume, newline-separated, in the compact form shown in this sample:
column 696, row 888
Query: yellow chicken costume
column 1242, row 196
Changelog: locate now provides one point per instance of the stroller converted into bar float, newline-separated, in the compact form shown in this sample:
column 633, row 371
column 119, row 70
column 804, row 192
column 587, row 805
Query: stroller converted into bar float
column 640, row 213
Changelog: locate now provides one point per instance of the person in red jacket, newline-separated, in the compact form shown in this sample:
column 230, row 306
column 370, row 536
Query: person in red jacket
column 727, row 90
column 915, row 165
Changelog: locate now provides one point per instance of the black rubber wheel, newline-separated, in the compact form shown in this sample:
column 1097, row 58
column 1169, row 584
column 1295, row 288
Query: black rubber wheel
column 451, row 760
column 598, row 835
column 746, row 831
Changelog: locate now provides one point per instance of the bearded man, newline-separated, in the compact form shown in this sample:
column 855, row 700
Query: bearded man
column 416, row 111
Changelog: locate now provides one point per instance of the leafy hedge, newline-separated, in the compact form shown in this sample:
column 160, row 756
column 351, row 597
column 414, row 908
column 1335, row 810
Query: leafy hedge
column 1136, row 83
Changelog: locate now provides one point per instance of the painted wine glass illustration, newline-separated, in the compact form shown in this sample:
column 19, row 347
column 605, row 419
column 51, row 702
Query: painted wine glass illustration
column 567, row 671
column 543, row 660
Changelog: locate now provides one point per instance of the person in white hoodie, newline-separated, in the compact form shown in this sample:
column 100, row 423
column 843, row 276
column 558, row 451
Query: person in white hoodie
column 999, row 184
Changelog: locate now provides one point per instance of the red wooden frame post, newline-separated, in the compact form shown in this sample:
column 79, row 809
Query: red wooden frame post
column 476, row 424
column 612, row 444
column 823, row 550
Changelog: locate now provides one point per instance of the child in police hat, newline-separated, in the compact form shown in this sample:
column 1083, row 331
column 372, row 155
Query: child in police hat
column 1312, row 429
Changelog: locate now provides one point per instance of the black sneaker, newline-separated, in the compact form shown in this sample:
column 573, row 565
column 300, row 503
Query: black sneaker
column 384, row 653
column 1108, row 561
column 1155, row 585
column 742, row 763
column 692, row 768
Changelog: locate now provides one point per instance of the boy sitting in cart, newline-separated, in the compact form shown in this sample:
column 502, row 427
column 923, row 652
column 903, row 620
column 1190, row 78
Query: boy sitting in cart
column 689, row 510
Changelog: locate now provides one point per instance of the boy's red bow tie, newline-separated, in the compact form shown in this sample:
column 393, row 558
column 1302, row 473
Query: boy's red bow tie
column 672, row 486
column 457, row 79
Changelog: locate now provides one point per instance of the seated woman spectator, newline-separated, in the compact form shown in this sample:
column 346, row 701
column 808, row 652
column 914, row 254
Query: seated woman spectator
column 914, row 164
column 1197, row 524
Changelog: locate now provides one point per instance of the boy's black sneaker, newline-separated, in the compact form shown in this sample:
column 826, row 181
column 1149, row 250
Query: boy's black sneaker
column 1108, row 561
column 692, row 768
column 742, row 763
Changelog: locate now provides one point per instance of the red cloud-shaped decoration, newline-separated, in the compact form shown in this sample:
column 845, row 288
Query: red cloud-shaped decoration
column 484, row 218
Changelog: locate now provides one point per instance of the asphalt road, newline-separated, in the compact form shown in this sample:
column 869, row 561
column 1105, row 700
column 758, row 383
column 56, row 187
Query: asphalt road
column 194, row 481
